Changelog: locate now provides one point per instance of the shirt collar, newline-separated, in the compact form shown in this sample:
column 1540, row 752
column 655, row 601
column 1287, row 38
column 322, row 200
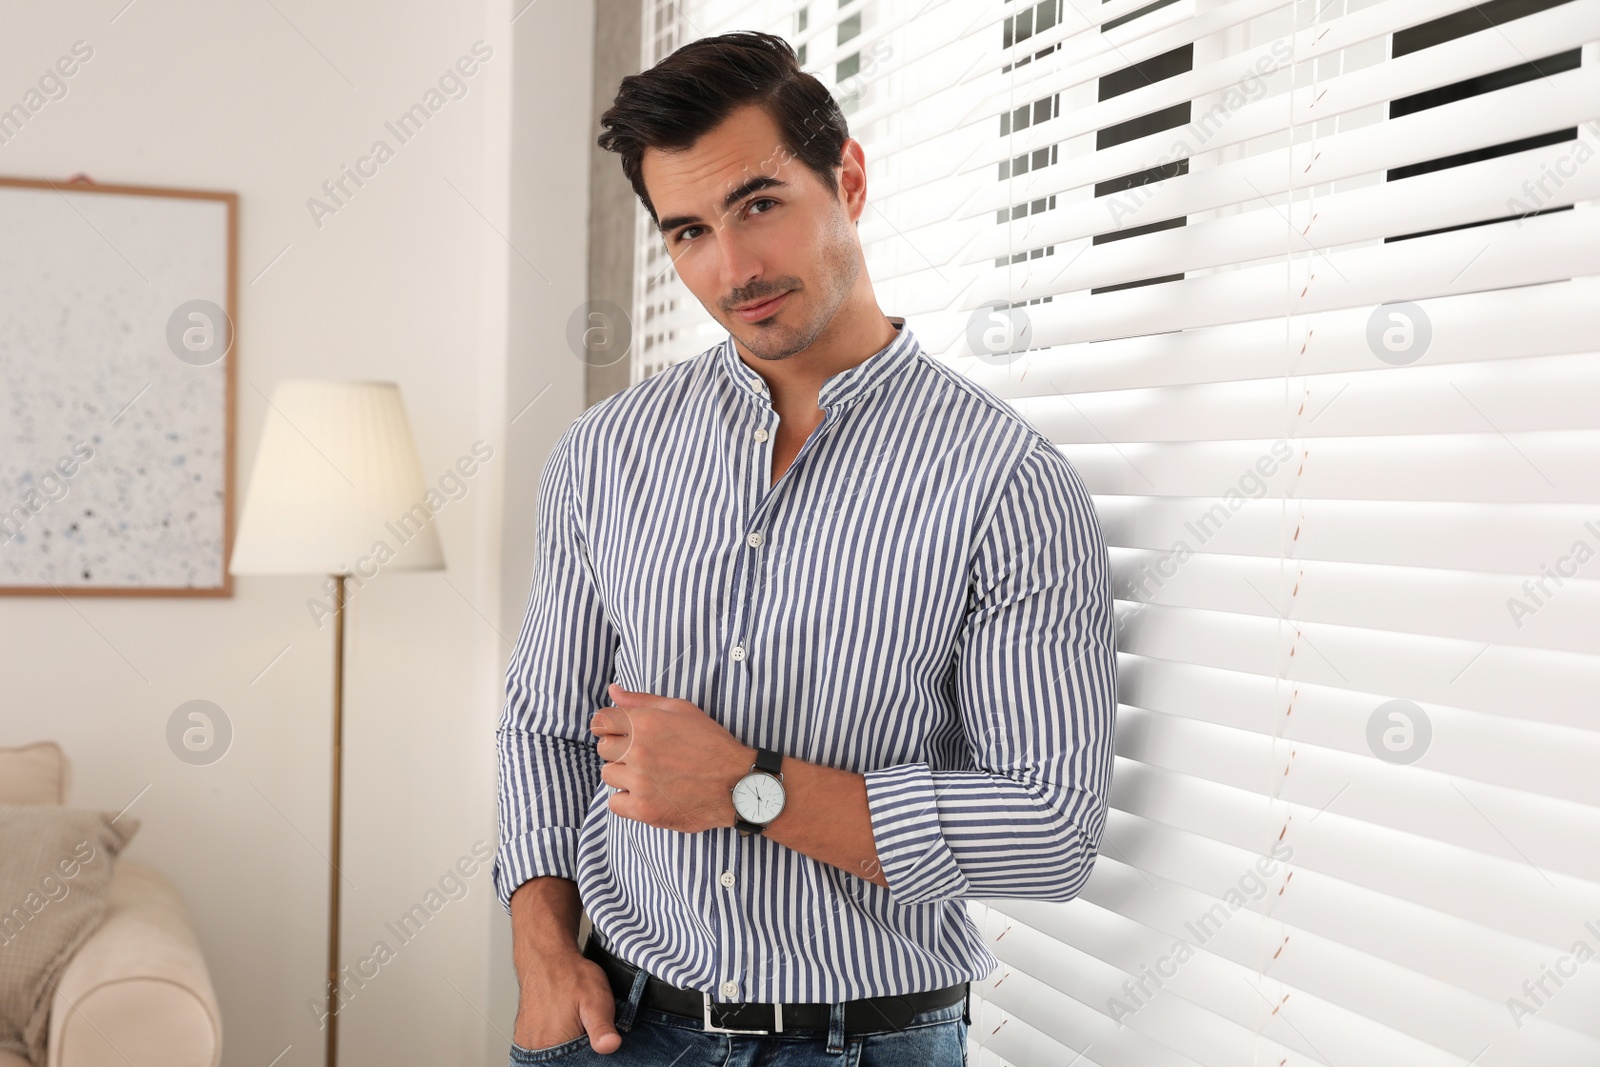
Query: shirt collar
column 846, row 385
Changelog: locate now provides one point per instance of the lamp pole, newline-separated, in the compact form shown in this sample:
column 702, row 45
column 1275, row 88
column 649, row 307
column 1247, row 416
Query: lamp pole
column 333, row 879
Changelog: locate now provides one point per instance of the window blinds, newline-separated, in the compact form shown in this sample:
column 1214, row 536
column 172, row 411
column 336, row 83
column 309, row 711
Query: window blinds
column 1307, row 293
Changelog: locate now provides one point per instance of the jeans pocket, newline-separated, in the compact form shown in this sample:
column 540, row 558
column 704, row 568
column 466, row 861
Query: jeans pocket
column 934, row 1044
column 541, row 1055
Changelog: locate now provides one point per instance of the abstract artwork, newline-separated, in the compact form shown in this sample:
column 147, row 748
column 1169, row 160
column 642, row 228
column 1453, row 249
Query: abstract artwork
column 117, row 387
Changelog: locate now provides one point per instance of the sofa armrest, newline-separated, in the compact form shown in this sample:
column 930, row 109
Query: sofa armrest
column 137, row 992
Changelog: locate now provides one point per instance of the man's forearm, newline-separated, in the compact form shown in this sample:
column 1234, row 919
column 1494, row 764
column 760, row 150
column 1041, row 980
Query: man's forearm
column 671, row 765
column 558, row 990
column 825, row 816
column 544, row 922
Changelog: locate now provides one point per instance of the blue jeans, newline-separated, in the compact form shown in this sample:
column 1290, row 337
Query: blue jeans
column 935, row 1038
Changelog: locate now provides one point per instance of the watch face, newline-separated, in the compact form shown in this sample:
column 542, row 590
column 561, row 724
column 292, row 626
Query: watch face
column 758, row 797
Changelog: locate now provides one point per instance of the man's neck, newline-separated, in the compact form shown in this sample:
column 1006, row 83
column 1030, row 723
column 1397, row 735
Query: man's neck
column 795, row 383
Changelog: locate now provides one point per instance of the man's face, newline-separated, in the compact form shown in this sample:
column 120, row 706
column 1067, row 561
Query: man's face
column 745, row 221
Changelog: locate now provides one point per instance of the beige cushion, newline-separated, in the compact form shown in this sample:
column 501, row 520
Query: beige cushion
column 34, row 774
column 54, row 882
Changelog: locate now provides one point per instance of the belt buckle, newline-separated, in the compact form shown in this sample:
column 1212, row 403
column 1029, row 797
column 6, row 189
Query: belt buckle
column 777, row 1020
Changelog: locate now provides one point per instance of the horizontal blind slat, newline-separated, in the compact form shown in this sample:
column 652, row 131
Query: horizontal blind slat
column 1518, row 541
column 1528, row 251
column 1544, row 818
column 1545, row 467
column 1249, row 708
column 1528, row 395
column 1487, row 327
column 1495, row 609
column 1533, row 684
column 1207, row 837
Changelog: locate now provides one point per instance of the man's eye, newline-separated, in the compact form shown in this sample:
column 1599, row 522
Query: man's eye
column 684, row 234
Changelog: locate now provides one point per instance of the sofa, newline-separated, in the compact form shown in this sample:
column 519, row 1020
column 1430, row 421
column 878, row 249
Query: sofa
column 137, row 992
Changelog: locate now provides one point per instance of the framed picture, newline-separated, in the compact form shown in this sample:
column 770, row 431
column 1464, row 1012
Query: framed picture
column 118, row 377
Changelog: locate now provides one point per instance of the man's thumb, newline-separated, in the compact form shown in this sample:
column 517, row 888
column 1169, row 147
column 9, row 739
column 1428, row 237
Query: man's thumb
column 599, row 1019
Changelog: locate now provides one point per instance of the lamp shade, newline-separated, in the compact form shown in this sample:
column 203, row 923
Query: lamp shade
column 337, row 487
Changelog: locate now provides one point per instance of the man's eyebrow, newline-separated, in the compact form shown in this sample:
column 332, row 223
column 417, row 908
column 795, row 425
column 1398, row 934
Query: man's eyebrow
column 754, row 185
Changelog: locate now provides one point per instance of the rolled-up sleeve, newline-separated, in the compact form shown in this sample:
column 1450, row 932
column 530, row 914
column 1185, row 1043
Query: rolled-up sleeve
column 549, row 767
column 1036, row 681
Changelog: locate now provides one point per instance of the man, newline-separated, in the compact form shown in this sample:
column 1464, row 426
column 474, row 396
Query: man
column 819, row 645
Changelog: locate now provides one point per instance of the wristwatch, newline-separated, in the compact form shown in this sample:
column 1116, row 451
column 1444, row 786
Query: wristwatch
column 758, row 796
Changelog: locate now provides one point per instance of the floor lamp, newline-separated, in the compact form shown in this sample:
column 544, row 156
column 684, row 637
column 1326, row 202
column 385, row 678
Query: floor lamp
column 336, row 490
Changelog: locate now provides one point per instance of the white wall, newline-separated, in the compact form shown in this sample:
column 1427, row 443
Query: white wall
column 412, row 281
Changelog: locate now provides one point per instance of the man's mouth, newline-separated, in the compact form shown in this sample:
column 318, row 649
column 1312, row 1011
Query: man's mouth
column 757, row 312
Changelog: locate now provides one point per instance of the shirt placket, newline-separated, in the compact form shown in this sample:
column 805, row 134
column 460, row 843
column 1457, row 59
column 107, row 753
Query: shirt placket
column 758, row 500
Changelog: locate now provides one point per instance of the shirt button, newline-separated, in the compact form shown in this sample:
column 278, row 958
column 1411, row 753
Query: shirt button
column 738, row 652
column 754, row 540
column 761, row 435
column 730, row 988
column 726, row 879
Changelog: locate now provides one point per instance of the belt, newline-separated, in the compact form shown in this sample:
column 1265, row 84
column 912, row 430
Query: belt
column 867, row 1015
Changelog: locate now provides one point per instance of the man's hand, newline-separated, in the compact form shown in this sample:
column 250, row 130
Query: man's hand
column 566, row 996
column 563, row 993
column 675, row 765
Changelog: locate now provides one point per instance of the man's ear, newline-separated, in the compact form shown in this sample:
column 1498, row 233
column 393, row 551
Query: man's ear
column 852, row 151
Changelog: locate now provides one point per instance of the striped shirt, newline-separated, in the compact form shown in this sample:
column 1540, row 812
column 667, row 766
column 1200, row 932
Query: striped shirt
column 923, row 598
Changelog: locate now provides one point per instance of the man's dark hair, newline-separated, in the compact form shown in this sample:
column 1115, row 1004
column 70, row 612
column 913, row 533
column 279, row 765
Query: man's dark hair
column 671, row 105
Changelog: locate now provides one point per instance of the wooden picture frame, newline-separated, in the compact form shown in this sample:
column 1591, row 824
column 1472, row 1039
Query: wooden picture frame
column 107, row 286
